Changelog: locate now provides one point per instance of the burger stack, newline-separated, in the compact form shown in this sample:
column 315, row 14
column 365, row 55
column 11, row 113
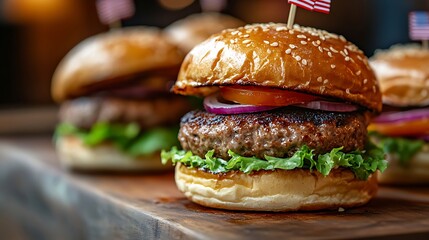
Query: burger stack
column 285, row 121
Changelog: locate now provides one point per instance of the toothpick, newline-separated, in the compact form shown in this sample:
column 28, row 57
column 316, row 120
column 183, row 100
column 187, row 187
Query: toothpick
column 291, row 18
column 115, row 25
column 425, row 44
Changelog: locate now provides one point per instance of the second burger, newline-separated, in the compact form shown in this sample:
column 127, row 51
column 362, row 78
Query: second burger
column 116, row 112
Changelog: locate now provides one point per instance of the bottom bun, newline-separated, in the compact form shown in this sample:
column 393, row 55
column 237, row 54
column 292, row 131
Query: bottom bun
column 278, row 190
column 416, row 172
column 74, row 154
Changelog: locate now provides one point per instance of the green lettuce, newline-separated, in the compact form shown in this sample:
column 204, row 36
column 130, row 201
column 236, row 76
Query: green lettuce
column 127, row 137
column 362, row 163
column 403, row 148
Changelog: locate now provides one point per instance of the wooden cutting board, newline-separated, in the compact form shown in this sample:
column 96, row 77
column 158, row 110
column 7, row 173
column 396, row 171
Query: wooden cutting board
column 40, row 200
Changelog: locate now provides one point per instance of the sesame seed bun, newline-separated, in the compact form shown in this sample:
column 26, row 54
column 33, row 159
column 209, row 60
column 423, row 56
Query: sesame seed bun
column 278, row 190
column 403, row 74
column 271, row 55
column 114, row 57
column 196, row 28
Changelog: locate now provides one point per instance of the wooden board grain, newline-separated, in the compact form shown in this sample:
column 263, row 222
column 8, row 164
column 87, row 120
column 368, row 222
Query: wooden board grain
column 39, row 200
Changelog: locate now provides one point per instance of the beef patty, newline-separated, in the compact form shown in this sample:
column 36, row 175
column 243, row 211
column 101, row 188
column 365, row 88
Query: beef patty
column 277, row 133
column 84, row 112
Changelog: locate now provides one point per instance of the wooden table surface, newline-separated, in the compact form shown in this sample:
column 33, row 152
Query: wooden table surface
column 39, row 200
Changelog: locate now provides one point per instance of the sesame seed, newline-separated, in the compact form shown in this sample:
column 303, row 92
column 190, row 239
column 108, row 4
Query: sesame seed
column 329, row 54
column 274, row 44
column 365, row 81
column 292, row 46
column 298, row 58
column 333, row 49
column 288, row 51
column 303, row 42
column 246, row 41
column 358, row 73
column 325, row 81
column 348, row 91
column 319, row 79
column 265, row 41
column 347, row 59
column 304, row 61
column 332, row 66
column 301, row 36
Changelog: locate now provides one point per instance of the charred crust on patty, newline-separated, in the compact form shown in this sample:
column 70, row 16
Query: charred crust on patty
column 278, row 133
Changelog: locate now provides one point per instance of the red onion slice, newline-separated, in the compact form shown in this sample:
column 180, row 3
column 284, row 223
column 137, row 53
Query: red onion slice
column 329, row 106
column 402, row 116
column 213, row 105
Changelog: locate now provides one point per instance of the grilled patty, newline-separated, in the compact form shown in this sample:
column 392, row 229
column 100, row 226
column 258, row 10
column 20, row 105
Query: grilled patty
column 277, row 133
column 84, row 112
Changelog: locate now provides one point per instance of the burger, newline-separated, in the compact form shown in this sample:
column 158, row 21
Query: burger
column 403, row 127
column 196, row 28
column 116, row 109
column 285, row 121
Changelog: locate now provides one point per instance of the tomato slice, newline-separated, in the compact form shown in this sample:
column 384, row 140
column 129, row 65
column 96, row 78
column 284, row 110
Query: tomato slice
column 405, row 128
column 264, row 96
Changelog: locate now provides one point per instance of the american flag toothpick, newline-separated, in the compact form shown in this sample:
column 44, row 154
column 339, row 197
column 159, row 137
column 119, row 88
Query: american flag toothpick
column 111, row 12
column 419, row 27
column 322, row 6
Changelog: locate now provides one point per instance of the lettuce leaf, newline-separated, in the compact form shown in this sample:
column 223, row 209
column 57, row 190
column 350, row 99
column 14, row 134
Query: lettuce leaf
column 403, row 148
column 362, row 163
column 127, row 137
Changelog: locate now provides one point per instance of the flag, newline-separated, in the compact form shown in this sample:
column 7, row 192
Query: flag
column 419, row 25
column 212, row 5
column 110, row 11
column 322, row 6
column 306, row 4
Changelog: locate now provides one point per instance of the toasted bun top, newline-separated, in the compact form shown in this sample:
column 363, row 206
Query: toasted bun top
column 403, row 73
column 271, row 55
column 113, row 57
column 196, row 28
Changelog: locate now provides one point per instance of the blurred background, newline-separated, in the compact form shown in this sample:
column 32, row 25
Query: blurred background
column 36, row 34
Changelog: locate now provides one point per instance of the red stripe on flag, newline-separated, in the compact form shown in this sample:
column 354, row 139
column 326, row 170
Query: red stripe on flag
column 110, row 11
column 322, row 6
column 306, row 4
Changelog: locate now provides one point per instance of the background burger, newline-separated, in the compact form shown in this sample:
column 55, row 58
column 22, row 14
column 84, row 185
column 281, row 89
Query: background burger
column 116, row 111
column 196, row 28
column 285, row 125
column 403, row 127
